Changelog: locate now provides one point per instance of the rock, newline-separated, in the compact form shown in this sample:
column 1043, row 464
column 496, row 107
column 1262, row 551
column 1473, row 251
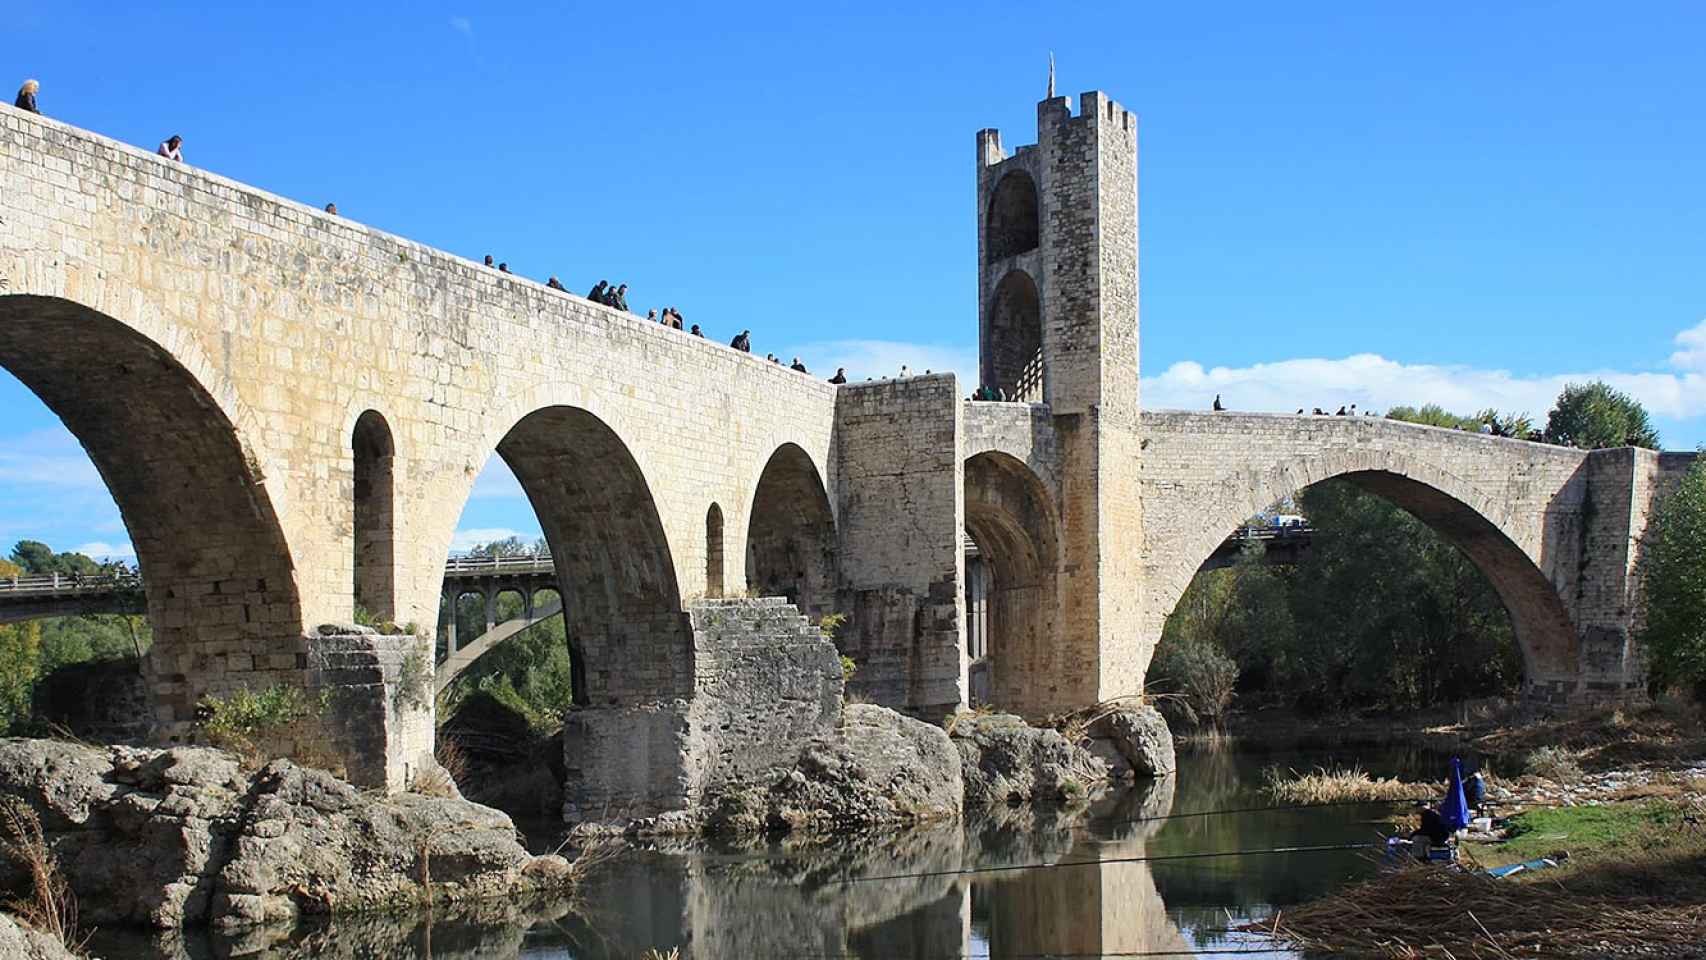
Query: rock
column 1003, row 759
column 878, row 768
column 168, row 837
column 1138, row 740
column 23, row 943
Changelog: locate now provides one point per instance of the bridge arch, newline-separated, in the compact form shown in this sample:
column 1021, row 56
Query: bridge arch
column 616, row 574
column 790, row 533
column 1461, row 513
column 168, row 436
column 1013, row 519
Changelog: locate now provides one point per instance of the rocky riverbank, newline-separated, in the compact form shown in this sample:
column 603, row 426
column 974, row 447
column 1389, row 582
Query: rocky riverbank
column 165, row 838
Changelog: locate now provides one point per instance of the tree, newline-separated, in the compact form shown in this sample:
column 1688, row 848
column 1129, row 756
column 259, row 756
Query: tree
column 1594, row 416
column 37, row 557
column 508, row 547
column 1673, row 586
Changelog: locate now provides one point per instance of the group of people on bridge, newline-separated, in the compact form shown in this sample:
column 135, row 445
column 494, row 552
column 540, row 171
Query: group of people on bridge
column 603, row 293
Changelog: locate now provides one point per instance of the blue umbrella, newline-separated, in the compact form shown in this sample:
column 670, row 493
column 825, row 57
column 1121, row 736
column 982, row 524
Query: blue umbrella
column 1454, row 809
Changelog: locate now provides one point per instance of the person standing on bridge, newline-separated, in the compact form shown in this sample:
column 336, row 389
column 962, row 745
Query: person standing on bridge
column 742, row 341
column 555, row 284
column 1217, row 405
column 619, row 299
column 798, row 366
column 27, row 97
column 597, row 293
column 695, row 331
column 840, row 376
column 173, row 148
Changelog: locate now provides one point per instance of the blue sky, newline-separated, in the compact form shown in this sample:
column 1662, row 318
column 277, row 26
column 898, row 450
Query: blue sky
column 1341, row 204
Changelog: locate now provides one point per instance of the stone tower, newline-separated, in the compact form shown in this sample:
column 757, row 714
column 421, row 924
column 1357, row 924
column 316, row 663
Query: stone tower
column 1058, row 325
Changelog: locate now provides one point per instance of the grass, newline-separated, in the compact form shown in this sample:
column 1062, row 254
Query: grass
column 1634, row 885
column 1339, row 785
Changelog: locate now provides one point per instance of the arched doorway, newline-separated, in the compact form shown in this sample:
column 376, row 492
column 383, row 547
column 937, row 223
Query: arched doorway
column 790, row 536
column 1011, row 517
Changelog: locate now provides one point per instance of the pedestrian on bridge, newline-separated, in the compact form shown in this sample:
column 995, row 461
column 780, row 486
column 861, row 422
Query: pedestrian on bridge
column 173, row 148
column 695, row 331
column 798, row 366
column 840, row 376
column 619, row 298
column 1217, row 405
column 597, row 293
column 27, row 97
column 742, row 341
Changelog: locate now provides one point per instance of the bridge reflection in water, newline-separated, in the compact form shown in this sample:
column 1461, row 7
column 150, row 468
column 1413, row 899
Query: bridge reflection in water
column 907, row 897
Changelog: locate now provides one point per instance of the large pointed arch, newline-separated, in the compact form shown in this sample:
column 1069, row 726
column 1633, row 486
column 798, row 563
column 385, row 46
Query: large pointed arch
column 222, row 595
column 1463, row 515
column 622, row 606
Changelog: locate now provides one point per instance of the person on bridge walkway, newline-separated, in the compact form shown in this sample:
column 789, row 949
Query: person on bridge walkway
column 675, row 318
column 652, row 317
column 840, row 376
column 1217, row 405
column 797, row 365
column 695, row 331
column 332, row 209
column 27, row 96
column 619, row 299
column 596, row 295
column 173, row 148
column 555, row 284
column 742, row 341
column 503, row 267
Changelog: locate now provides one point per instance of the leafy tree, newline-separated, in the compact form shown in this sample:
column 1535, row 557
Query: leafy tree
column 509, row 547
column 38, row 558
column 1594, row 416
column 1673, row 585
column 20, row 656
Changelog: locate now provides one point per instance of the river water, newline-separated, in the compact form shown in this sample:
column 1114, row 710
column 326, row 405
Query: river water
column 901, row 895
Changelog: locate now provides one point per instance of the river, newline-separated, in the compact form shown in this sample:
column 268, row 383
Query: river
column 905, row 894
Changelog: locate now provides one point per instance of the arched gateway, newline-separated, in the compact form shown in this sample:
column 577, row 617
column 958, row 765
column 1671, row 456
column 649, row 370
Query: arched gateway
column 291, row 408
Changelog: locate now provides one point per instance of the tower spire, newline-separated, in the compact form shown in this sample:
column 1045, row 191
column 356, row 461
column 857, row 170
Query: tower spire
column 1051, row 75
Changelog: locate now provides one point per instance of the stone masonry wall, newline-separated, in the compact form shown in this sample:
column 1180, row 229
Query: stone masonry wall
column 768, row 682
column 281, row 325
column 900, row 511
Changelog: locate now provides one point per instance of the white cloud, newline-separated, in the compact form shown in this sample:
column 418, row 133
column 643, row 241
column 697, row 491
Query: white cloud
column 1692, row 356
column 106, row 551
column 472, row 537
column 496, row 482
column 462, row 25
column 883, row 358
column 1374, row 382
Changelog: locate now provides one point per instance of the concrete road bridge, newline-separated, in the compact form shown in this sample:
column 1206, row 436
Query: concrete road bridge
column 290, row 409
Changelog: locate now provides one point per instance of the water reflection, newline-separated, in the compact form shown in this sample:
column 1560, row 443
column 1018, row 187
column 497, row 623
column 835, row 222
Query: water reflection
column 900, row 895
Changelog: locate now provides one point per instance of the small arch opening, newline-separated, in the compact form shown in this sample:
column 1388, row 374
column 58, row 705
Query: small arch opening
column 374, row 510
column 790, row 538
column 1012, row 226
column 1013, row 355
column 714, row 551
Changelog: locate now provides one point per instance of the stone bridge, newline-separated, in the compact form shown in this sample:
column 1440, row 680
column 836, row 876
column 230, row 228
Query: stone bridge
column 290, row 409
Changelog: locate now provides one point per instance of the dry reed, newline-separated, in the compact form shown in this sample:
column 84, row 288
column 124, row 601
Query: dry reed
column 50, row 907
column 1337, row 785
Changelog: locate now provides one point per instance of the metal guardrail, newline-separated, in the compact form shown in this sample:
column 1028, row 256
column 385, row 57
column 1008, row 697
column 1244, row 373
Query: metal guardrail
column 69, row 583
column 490, row 566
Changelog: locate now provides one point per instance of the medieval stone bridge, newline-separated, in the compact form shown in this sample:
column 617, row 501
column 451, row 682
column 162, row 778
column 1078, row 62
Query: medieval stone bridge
column 290, row 409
